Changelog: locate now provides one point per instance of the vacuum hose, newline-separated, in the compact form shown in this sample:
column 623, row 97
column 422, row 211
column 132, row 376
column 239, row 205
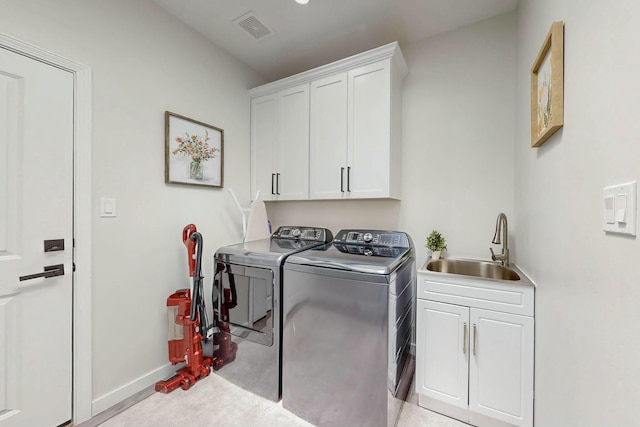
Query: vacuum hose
column 222, row 305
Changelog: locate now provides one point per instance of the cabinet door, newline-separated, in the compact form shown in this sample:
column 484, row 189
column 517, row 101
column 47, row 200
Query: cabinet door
column 501, row 367
column 369, row 138
column 263, row 144
column 293, row 144
column 328, row 138
column 442, row 352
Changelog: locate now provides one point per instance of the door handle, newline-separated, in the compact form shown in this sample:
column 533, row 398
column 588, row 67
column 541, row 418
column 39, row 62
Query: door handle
column 349, row 178
column 277, row 183
column 49, row 271
column 272, row 176
column 342, row 180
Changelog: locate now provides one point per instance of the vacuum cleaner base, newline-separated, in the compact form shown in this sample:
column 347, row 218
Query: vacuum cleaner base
column 185, row 378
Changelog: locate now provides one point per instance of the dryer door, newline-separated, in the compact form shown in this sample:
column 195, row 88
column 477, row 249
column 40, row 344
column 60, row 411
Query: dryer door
column 243, row 298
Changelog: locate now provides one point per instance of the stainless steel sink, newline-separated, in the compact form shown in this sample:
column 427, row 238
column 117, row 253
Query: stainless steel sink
column 482, row 269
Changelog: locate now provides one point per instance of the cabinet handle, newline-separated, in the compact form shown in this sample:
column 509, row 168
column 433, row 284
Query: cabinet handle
column 349, row 178
column 272, row 176
column 475, row 338
column 342, row 180
column 464, row 339
column 277, row 183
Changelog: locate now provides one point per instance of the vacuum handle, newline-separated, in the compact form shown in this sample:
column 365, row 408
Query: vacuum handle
column 191, row 247
column 196, row 296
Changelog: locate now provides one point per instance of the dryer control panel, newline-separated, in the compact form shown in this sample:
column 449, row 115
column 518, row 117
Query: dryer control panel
column 396, row 239
column 313, row 234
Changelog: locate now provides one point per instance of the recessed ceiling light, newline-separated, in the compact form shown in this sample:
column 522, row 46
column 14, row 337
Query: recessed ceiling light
column 302, row 1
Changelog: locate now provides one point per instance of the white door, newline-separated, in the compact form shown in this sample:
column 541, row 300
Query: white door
column 501, row 370
column 36, row 195
column 292, row 179
column 442, row 352
column 328, row 138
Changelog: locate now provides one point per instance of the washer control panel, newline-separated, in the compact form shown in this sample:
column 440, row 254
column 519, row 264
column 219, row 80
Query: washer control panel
column 313, row 234
column 379, row 251
column 396, row 239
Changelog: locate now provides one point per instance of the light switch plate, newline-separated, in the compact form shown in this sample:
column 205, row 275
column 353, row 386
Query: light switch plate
column 107, row 207
column 619, row 205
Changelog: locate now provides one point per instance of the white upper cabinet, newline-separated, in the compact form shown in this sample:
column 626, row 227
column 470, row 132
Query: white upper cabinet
column 328, row 140
column 263, row 146
column 370, row 140
column 280, row 144
column 352, row 120
column 292, row 145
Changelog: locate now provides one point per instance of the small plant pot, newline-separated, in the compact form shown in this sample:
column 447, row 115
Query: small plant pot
column 435, row 255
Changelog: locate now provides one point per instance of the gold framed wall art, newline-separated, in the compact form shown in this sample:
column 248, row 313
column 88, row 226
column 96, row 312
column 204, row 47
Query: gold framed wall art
column 547, row 87
column 193, row 152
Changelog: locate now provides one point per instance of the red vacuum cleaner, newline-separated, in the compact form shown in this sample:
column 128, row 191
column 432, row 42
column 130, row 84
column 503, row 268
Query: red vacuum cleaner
column 187, row 319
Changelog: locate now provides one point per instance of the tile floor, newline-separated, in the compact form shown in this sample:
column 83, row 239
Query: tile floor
column 215, row 401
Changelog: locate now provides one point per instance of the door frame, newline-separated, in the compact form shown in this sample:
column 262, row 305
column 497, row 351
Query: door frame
column 81, row 329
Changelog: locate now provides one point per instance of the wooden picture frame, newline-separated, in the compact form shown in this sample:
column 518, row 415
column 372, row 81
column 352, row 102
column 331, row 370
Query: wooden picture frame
column 194, row 152
column 547, row 87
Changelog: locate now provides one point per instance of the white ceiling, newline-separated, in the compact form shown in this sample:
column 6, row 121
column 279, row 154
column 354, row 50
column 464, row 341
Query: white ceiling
column 323, row 31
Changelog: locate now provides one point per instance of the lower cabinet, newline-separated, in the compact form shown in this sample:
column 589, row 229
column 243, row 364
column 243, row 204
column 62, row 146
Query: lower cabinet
column 475, row 364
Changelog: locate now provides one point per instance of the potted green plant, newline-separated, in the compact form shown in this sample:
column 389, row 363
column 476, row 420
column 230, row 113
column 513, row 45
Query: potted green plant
column 436, row 243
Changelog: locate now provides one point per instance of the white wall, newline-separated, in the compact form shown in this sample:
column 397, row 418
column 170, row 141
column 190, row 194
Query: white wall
column 588, row 289
column 458, row 127
column 144, row 62
column 458, row 136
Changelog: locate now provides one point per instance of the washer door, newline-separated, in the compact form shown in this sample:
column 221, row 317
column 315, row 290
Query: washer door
column 243, row 297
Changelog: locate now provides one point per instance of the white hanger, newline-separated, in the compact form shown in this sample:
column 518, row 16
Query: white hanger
column 243, row 212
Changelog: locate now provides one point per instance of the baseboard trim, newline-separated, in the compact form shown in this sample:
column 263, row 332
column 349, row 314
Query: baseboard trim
column 120, row 394
column 117, row 408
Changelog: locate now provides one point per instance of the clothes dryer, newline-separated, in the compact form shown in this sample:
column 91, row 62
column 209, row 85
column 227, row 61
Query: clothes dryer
column 249, row 275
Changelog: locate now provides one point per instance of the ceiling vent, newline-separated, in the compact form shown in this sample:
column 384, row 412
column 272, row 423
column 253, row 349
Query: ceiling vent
column 250, row 23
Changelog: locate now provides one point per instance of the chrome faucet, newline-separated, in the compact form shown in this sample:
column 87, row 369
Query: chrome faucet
column 504, row 255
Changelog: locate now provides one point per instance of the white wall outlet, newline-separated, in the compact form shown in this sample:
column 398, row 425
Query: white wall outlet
column 620, row 208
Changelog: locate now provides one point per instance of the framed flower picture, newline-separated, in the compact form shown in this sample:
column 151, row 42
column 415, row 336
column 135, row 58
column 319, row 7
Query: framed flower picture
column 547, row 87
column 193, row 152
